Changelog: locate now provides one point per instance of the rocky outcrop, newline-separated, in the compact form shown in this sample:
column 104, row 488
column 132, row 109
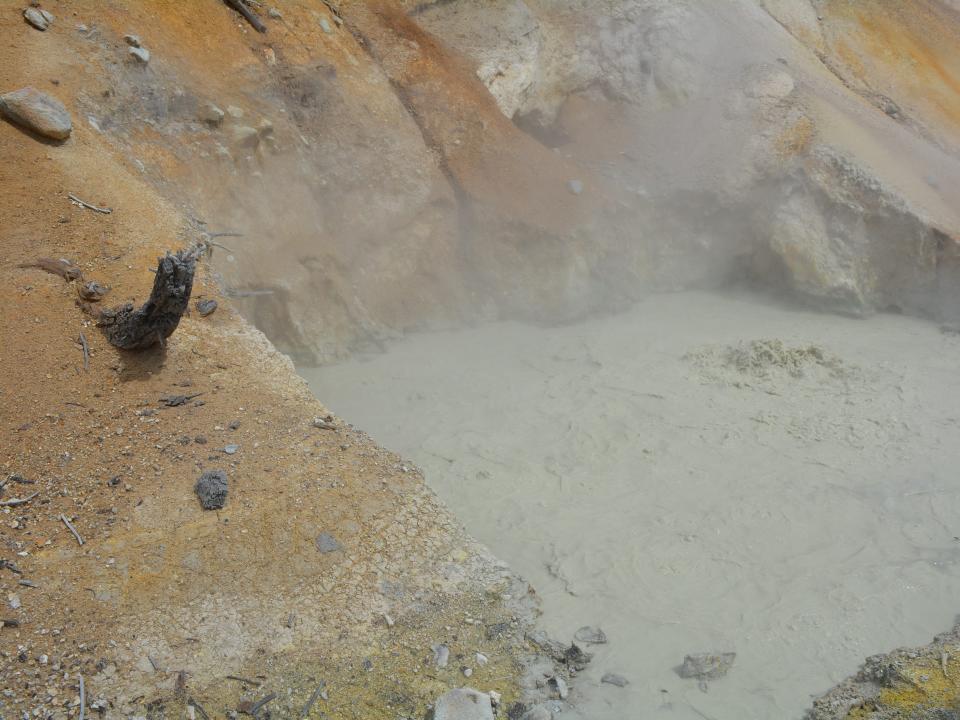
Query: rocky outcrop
column 396, row 165
column 907, row 684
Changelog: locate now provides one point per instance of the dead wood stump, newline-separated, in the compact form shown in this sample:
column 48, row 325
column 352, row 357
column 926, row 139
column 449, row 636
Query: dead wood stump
column 154, row 321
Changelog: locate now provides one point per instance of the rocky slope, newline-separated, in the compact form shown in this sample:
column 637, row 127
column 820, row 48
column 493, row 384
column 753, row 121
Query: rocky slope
column 331, row 573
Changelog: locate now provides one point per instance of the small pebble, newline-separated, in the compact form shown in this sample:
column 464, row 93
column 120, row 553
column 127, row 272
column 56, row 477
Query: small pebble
column 132, row 40
column 206, row 307
column 575, row 186
column 231, row 449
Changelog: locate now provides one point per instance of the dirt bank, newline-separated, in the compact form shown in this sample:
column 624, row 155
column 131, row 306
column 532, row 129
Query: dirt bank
column 163, row 600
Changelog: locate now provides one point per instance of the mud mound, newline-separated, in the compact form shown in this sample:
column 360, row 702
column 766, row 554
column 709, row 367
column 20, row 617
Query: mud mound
column 771, row 359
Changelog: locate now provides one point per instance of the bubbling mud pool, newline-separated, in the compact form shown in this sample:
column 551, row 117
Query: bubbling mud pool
column 699, row 474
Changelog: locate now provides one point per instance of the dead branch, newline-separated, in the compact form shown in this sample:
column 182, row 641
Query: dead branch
column 84, row 203
column 86, row 351
column 15, row 502
column 153, row 322
column 199, row 707
column 242, row 679
column 62, row 267
column 71, row 528
column 313, row 698
column 248, row 14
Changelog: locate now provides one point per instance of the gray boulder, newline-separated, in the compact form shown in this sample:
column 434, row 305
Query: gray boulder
column 463, row 704
column 37, row 111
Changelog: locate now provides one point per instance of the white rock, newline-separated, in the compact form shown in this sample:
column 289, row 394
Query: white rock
column 441, row 655
column 40, row 19
column 37, row 111
column 141, row 54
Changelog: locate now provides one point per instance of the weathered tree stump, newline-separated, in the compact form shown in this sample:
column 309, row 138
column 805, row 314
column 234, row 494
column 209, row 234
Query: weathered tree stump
column 154, row 321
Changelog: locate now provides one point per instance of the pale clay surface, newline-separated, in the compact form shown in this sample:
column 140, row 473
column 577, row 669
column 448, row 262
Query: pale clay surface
column 645, row 484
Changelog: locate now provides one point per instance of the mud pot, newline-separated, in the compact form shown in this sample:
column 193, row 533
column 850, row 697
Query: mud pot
column 700, row 474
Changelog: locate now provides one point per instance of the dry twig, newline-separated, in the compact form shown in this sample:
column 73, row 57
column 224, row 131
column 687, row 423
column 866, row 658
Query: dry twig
column 84, row 203
column 17, row 501
column 312, row 700
column 86, row 351
column 71, row 528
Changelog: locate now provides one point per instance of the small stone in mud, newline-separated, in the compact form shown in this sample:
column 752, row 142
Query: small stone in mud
column 275, row 14
column 463, row 704
column 324, row 423
column 206, row 307
column 575, row 186
column 614, row 679
column 706, row 666
column 576, row 658
column 211, row 488
column 327, row 543
column 200, row 440
column 591, row 635
column 40, row 19
column 234, row 424
column 132, row 40
column 37, row 111
column 231, row 449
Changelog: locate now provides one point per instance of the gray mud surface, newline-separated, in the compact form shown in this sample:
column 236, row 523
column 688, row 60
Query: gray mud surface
column 699, row 474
